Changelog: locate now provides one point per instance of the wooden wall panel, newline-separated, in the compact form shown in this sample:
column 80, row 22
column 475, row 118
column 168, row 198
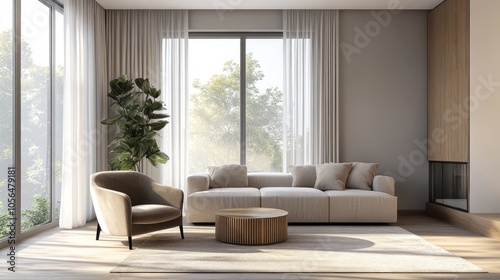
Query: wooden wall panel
column 448, row 82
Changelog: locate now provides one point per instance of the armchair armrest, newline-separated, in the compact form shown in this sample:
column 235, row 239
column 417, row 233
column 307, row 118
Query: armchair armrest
column 197, row 182
column 167, row 194
column 385, row 184
column 113, row 210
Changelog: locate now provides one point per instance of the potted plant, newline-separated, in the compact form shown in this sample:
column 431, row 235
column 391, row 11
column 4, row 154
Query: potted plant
column 139, row 120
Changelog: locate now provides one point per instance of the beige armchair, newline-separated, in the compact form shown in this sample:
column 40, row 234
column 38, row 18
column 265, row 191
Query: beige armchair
column 129, row 203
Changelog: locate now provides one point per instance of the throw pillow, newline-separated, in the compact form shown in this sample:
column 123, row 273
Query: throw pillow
column 229, row 175
column 361, row 176
column 332, row 176
column 303, row 175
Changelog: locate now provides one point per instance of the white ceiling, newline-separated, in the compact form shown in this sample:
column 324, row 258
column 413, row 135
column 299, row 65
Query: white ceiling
column 268, row 4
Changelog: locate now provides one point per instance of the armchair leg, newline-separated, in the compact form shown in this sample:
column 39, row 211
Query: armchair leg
column 98, row 232
column 130, row 242
column 182, row 231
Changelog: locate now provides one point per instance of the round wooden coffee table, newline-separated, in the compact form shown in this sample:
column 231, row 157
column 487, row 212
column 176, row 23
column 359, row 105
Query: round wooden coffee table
column 251, row 226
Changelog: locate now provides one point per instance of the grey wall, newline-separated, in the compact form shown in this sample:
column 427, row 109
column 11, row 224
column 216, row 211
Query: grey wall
column 484, row 105
column 235, row 20
column 383, row 97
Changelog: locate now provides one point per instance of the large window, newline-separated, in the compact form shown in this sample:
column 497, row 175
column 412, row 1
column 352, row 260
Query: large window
column 35, row 114
column 36, row 143
column 235, row 111
column 6, row 106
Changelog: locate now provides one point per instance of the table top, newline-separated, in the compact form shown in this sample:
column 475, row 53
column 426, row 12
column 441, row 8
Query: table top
column 251, row 213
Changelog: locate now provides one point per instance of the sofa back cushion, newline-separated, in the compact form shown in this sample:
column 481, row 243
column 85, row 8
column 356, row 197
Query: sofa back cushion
column 361, row 176
column 332, row 176
column 269, row 179
column 303, row 175
column 228, row 176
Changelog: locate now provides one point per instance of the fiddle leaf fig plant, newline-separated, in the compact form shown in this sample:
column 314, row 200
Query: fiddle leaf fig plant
column 139, row 119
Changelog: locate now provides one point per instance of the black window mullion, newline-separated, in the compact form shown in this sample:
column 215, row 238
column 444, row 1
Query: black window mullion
column 243, row 130
column 52, row 107
column 17, row 111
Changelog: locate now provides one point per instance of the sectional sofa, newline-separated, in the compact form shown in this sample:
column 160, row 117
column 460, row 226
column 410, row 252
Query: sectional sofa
column 329, row 193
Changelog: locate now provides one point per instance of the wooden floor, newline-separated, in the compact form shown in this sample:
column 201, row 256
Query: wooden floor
column 74, row 254
column 483, row 224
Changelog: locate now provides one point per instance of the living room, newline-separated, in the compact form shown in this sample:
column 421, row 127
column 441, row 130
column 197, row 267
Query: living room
column 387, row 63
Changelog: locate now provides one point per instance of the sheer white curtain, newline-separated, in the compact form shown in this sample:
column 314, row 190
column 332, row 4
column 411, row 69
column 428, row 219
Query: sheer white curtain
column 83, row 89
column 174, row 86
column 310, row 86
column 152, row 44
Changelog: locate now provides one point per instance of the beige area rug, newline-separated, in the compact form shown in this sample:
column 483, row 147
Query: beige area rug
column 328, row 248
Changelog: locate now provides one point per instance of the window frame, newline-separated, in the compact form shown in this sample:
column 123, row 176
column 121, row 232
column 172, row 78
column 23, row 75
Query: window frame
column 242, row 36
column 17, row 37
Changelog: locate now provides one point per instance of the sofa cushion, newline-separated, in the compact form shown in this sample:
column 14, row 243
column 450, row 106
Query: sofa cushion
column 153, row 213
column 304, row 205
column 201, row 206
column 332, row 176
column 361, row 176
column 229, row 175
column 269, row 179
column 303, row 175
column 362, row 206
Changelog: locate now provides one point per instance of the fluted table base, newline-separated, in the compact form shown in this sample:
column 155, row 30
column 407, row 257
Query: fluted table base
column 251, row 226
